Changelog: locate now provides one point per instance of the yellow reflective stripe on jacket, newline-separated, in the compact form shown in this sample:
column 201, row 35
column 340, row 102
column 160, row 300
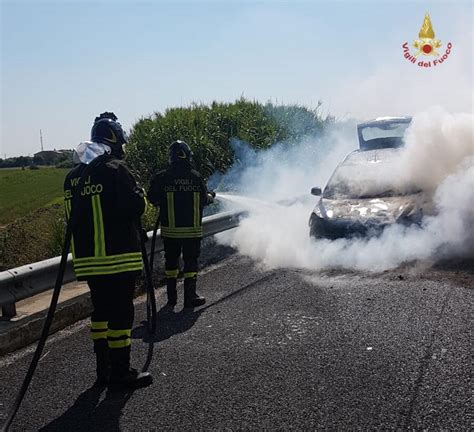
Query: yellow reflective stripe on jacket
column 96, row 271
column 110, row 259
column 181, row 232
column 190, row 275
column 196, row 201
column 67, row 205
column 182, row 235
column 99, row 234
column 171, row 217
column 108, row 262
column 182, row 229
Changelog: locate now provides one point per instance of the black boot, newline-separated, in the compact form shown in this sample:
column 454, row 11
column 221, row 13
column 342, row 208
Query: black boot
column 171, row 291
column 191, row 298
column 123, row 377
column 102, row 357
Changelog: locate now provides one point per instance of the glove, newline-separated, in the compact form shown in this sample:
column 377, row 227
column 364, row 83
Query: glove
column 210, row 197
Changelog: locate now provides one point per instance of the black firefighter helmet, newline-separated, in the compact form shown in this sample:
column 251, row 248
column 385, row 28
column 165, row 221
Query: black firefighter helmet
column 107, row 130
column 180, row 152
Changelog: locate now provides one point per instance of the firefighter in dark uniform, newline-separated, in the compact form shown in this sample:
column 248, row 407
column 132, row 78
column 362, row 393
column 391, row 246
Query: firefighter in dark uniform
column 181, row 194
column 106, row 247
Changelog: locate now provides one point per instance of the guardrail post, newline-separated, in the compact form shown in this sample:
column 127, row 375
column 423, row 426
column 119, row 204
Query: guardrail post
column 9, row 310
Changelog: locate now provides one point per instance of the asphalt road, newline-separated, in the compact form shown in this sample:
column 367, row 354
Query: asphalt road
column 275, row 350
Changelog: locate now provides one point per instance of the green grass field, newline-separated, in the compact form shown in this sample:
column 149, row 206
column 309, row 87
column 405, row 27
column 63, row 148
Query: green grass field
column 23, row 191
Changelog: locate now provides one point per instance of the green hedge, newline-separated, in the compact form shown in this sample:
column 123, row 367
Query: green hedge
column 208, row 129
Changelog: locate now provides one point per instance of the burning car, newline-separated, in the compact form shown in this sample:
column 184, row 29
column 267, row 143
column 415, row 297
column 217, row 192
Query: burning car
column 364, row 195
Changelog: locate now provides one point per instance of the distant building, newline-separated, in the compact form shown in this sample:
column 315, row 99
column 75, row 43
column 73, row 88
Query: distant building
column 50, row 157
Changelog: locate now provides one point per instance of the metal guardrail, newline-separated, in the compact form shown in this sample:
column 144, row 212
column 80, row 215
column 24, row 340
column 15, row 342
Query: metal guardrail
column 31, row 279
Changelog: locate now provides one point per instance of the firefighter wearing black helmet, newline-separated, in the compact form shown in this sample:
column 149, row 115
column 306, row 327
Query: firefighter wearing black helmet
column 106, row 246
column 181, row 194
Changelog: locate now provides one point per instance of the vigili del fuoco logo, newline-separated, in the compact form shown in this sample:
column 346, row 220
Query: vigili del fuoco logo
column 427, row 47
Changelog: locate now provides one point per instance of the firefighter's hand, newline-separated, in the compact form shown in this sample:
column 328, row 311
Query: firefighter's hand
column 210, row 198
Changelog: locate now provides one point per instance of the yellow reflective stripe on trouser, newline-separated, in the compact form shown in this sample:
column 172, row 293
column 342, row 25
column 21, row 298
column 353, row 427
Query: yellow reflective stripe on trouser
column 119, row 338
column 190, row 275
column 99, row 330
column 171, row 217
column 96, row 335
column 118, row 333
column 119, row 343
column 67, row 204
column 196, row 200
column 172, row 274
column 99, row 235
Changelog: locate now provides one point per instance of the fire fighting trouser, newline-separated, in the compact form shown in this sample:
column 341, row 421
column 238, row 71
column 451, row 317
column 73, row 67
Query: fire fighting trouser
column 190, row 248
column 112, row 317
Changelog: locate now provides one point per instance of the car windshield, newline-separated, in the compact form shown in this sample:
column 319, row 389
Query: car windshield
column 370, row 178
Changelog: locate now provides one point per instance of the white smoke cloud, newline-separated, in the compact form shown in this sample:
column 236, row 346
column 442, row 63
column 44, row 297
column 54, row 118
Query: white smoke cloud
column 436, row 144
column 285, row 170
column 439, row 156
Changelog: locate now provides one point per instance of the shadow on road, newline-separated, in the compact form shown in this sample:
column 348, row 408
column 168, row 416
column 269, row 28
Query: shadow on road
column 89, row 413
column 170, row 323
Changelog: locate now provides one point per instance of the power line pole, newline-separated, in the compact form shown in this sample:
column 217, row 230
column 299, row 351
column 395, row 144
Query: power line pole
column 41, row 140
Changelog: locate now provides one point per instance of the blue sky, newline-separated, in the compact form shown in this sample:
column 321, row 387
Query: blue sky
column 64, row 62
